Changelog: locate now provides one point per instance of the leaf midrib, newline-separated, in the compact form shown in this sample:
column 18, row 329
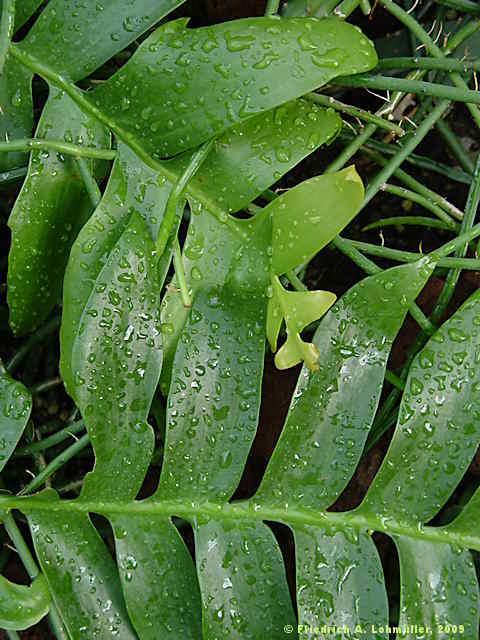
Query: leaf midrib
column 249, row 510
column 57, row 80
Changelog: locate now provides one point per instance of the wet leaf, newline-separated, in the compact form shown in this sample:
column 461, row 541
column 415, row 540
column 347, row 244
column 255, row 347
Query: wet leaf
column 332, row 410
column 116, row 363
column 158, row 578
column 214, row 397
column 242, row 580
column 20, row 606
column 184, row 86
column 438, row 590
column 15, row 409
column 438, row 432
column 48, row 214
column 308, row 217
column 81, row 574
column 24, row 10
column 340, row 581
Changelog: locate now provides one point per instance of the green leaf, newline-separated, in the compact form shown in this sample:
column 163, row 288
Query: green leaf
column 81, row 574
column 158, row 578
column 298, row 309
column 242, row 579
column 48, row 214
column 15, row 409
column 439, row 589
column 214, row 397
column 340, row 581
column 24, row 10
column 75, row 38
column 16, row 119
column 21, row 607
column 308, row 217
column 116, row 363
column 438, row 431
column 184, row 86
column 332, row 410
column 246, row 160
column 133, row 188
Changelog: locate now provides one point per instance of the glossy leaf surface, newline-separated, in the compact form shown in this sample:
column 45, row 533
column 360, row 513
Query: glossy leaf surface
column 48, row 214
column 20, row 606
column 158, row 578
column 81, row 574
column 184, row 86
column 332, row 410
column 308, row 217
column 298, row 309
column 241, row 167
column 242, row 579
column 75, row 38
column 439, row 590
column 15, row 408
column 116, row 363
column 340, row 581
column 132, row 189
column 16, row 119
column 24, row 10
column 214, row 398
column 438, row 428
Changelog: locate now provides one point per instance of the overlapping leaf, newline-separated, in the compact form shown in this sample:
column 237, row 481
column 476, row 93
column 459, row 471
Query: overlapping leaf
column 15, row 408
column 20, row 606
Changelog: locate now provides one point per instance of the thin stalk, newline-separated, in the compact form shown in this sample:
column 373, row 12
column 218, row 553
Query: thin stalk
column 409, row 256
column 7, row 25
column 59, row 146
column 171, row 209
column 418, row 87
column 412, row 25
column 455, row 146
column 251, row 511
column 89, row 181
column 295, row 281
column 351, row 149
column 409, row 220
column 414, row 140
column 444, row 64
column 180, row 274
column 45, row 385
column 13, row 175
column 21, row 546
column 56, row 464
column 467, row 223
column 366, row 7
column 272, row 7
column 345, row 8
column 394, row 380
column 461, row 35
column 462, row 5
column 37, row 338
column 412, row 196
column 355, row 112
column 12, row 635
column 51, row 441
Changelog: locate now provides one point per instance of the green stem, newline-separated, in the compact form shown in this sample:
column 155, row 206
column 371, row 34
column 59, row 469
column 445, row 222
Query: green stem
column 355, row 112
column 351, row 149
column 272, row 7
column 462, row 5
column 37, row 338
column 467, row 223
column 251, row 511
column 59, row 146
column 171, row 209
column 180, row 274
column 455, row 146
column 394, row 380
column 56, row 463
column 90, row 183
column 407, row 148
column 409, row 256
column 51, row 441
column 12, row 635
column 295, row 281
column 412, row 196
column 447, row 64
column 45, row 385
column 418, row 87
column 21, row 546
column 13, row 175
column 6, row 30
column 345, row 8
column 408, row 220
